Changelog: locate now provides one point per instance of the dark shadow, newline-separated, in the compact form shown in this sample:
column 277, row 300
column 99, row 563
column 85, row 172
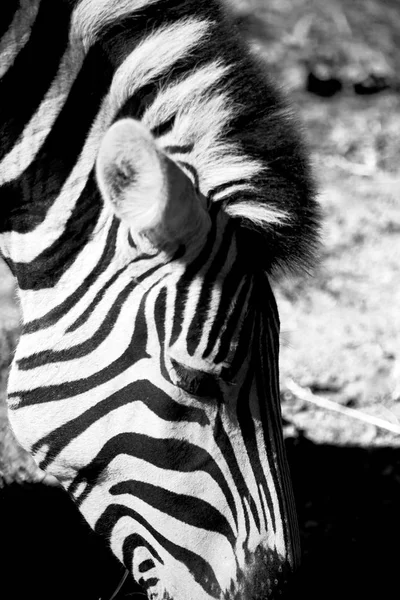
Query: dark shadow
column 348, row 502
column 49, row 552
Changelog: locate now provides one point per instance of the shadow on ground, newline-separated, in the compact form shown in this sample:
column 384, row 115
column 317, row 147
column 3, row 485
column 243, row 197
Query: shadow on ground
column 348, row 502
column 48, row 551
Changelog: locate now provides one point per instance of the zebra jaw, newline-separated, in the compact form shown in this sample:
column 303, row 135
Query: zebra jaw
column 147, row 190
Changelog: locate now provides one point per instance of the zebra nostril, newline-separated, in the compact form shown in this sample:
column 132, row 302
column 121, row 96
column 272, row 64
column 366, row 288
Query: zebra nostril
column 146, row 565
column 148, row 583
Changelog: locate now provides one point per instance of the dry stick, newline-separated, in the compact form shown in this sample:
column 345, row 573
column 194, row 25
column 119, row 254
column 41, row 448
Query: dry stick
column 306, row 394
column 121, row 583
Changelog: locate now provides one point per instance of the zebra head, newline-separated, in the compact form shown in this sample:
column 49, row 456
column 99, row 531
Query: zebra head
column 147, row 382
column 145, row 197
column 201, row 504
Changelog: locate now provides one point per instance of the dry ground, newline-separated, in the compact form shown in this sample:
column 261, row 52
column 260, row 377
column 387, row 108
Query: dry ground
column 340, row 327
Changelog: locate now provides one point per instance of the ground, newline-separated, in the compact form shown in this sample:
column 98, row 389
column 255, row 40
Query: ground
column 341, row 324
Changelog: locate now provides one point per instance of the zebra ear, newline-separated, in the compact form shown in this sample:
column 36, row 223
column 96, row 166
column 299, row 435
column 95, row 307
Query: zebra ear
column 146, row 189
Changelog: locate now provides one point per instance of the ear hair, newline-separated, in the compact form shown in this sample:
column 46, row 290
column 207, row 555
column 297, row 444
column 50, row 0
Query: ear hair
column 145, row 188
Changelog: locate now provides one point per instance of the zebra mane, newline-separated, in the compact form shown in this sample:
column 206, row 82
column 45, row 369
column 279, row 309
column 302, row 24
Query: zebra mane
column 211, row 105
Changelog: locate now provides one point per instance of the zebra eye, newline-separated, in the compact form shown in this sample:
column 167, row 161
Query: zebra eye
column 197, row 383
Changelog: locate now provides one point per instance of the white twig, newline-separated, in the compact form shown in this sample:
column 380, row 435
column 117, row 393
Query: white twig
column 121, row 583
column 307, row 395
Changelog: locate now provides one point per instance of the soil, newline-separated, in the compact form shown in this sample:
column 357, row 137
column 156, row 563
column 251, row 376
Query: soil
column 341, row 324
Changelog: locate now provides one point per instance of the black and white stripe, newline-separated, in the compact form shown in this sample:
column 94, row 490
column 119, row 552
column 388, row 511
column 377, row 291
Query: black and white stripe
column 146, row 377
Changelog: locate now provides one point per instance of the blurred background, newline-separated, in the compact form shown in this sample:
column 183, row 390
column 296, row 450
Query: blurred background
column 339, row 61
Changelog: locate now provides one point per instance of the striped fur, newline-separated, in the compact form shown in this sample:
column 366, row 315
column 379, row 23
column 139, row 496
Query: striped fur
column 146, row 377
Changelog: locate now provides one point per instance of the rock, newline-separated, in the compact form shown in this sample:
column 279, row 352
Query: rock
column 322, row 83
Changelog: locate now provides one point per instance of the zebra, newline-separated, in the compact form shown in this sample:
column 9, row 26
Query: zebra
column 152, row 181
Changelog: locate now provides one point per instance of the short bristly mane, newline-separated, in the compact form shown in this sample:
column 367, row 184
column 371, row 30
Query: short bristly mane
column 211, row 106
